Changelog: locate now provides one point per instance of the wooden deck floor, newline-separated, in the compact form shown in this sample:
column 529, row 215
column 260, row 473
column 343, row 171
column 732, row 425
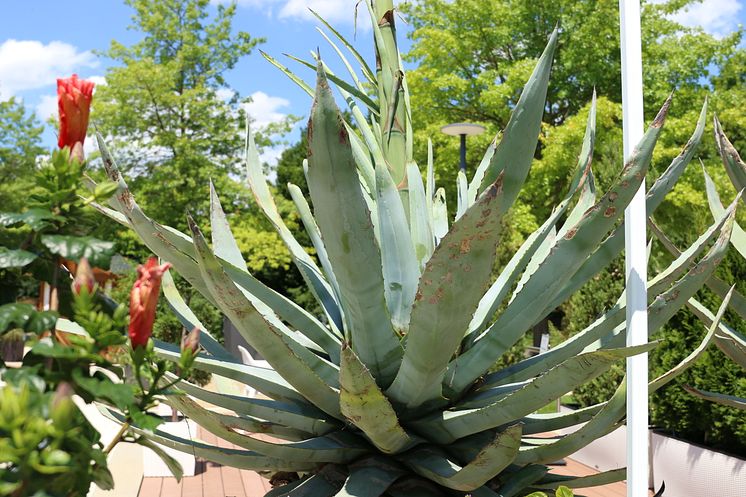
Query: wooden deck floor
column 214, row 480
column 574, row 468
column 210, row 480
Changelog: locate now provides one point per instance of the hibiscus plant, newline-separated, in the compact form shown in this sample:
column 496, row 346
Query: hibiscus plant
column 54, row 227
column 90, row 350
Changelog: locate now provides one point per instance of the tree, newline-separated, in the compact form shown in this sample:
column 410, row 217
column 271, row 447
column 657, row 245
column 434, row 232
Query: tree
column 163, row 105
column 173, row 123
column 20, row 135
column 289, row 167
column 475, row 55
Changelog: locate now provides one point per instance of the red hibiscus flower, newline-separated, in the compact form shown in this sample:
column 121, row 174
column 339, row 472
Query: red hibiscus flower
column 74, row 101
column 143, row 301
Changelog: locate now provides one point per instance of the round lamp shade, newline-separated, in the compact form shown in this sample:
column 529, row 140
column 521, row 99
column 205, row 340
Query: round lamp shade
column 458, row 129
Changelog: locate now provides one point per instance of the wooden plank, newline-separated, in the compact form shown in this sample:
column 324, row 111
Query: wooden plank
column 254, row 484
column 574, row 468
column 232, row 482
column 207, row 437
column 150, row 487
column 212, row 480
column 171, row 487
column 191, row 486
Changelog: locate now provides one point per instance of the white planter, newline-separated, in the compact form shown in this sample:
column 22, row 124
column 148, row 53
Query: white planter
column 154, row 466
column 691, row 470
column 605, row 453
column 687, row 469
column 125, row 461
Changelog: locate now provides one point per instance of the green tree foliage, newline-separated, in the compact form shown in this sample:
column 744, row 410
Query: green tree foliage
column 473, row 57
column 20, row 135
column 53, row 226
column 290, row 166
column 687, row 416
column 164, row 102
column 164, row 109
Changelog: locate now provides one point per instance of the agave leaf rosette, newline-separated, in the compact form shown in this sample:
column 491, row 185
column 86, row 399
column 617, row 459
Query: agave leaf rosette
column 388, row 391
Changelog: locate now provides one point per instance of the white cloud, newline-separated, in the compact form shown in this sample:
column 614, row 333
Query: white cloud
column 264, row 109
column 717, row 17
column 331, row 10
column 224, row 93
column 97, row 80
column 270, row 155
column 47, row 107
column 30, row 64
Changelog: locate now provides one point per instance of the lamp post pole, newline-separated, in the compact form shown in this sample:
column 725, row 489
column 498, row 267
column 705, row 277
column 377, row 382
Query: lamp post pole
column 462, row 130
column 635, row 218
column 462, row 166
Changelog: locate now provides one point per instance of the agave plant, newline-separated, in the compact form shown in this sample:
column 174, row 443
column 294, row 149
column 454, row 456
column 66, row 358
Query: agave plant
column 389, row 391
column 727, row 339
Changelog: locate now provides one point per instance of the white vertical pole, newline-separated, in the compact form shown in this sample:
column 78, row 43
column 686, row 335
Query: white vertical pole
column 635, row 256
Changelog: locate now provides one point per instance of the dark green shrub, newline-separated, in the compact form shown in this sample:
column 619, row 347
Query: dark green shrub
column 672, row 408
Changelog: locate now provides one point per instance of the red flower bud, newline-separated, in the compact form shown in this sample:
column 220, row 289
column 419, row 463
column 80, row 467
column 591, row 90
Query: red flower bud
column 191, row 340
column 83, row 277
column 64, row 392
column 143, row 301
column 74, row 102
column 78, row 153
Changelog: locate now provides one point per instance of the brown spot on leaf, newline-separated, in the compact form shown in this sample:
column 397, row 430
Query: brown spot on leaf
column 126, row 198
column 436, row 297
column 661, row 117
column 309, row 138
column 610, row 211
column 465, row 246
column 613, row 196
column 344, row 139
column 570, row 233
column 495, row 188
column 387, row 19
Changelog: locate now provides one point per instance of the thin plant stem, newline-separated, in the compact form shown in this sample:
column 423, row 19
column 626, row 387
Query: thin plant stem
column 117, row 438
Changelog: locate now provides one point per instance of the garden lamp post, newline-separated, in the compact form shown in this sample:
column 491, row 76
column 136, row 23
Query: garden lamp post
column 635, row 219
column 462, row 130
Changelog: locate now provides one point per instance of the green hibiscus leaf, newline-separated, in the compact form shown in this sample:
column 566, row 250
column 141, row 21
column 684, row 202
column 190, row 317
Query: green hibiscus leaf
column 26, row 317
column 102, row 478
column 15, row 258
column 98, row 252
column 173, row 465
column 37, row 219
column 145, row 421
column 121, row 395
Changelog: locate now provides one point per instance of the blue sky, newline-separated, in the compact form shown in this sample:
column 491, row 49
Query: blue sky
column 43, row 39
